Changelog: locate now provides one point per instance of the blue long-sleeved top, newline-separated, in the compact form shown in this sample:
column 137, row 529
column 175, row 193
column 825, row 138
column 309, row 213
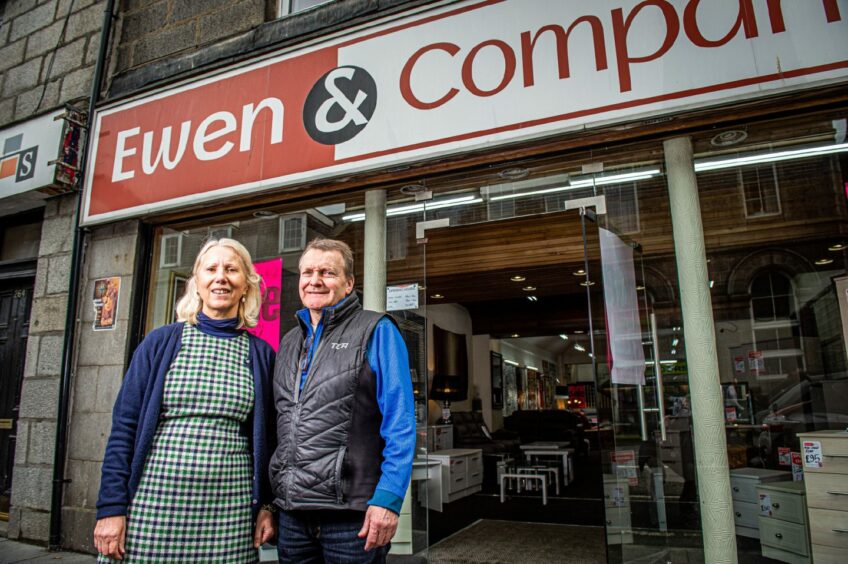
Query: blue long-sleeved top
column 137, row 407
column 388, row 358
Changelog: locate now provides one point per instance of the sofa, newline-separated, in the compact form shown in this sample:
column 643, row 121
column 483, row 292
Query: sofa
column 470, row 431
column 549, row 425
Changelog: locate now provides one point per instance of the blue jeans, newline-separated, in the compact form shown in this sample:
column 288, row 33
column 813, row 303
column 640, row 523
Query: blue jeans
column 324, row 536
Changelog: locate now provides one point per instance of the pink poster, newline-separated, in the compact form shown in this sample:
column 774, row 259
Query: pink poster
column 268, row 328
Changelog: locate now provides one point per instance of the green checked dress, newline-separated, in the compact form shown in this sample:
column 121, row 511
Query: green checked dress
column 193, row 503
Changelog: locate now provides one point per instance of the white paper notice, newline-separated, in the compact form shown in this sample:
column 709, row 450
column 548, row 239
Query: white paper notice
column 765, row 504
column 403, row 296
column 812, row 454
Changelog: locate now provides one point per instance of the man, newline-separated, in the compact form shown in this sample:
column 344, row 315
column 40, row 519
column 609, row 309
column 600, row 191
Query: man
column 345, row 420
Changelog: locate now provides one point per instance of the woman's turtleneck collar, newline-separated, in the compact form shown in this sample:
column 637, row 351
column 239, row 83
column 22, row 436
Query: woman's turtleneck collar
column 218, row 327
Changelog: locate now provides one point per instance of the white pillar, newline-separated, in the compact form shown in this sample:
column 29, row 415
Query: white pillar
column 374, row 279
column 709, row 437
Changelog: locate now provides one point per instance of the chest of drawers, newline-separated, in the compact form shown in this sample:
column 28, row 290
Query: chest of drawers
column 784, row 534
column 827, row 496
column 462, row 472
column 746, row 507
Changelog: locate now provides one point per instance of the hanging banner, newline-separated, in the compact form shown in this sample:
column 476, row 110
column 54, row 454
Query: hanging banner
column 268, row 328
column 626, row 353
column 453, row 78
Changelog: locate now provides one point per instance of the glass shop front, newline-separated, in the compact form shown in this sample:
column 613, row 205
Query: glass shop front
column 540, row 304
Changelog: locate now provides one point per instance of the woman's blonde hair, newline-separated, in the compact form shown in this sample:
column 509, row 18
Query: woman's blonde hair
column 248, row 312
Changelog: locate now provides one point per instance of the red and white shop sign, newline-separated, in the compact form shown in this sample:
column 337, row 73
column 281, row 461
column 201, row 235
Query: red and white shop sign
column 459, row 77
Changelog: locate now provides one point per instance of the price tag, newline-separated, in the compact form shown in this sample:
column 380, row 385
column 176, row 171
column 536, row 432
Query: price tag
column 618, row 496
column 812, row 454
column 765, row 504
column 797, row 467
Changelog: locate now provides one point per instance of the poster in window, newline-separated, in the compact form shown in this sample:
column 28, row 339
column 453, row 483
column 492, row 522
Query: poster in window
column 106, row 294
column 268, row 327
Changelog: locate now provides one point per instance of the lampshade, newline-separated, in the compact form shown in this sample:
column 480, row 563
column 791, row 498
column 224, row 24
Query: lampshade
column 448, row 388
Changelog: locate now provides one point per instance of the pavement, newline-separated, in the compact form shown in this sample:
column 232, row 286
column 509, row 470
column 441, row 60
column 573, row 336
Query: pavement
column 14, row 551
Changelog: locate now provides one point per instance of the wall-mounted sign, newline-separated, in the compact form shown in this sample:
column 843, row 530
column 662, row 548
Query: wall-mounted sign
column 27, row 150
column 459, row 77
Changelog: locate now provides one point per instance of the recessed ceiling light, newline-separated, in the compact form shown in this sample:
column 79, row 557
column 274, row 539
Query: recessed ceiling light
column 579, row 347
column 837, row 247
column 587, row 283
column 514, row 173
column 728, row 138
column 824, row 261
column 528, row 288
column 580, row 272
column 579, row 331
column 422, row 288
column 640, row 288
column 437, row 296
column 563, row 336
column 518, row 278
column 515, row 335
column 533, row 298
column 412, row 188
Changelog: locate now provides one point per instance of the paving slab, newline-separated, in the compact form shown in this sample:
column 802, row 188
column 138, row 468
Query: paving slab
column 13, row 551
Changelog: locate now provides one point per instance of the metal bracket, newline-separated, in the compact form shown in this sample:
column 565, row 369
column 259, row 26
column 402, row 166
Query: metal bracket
column 598, row 202
column 422, row 226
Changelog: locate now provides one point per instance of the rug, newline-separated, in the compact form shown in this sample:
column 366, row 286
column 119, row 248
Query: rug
column 507, row 542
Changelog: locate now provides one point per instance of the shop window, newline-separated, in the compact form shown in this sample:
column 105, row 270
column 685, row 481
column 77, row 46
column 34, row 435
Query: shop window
column 292, row 232
column 760, row 190
column 396, row 238
column 501, row 209
column 286, row 7
column 172, row 249
column 221, row 232
column 776, row 333
column 623, row 207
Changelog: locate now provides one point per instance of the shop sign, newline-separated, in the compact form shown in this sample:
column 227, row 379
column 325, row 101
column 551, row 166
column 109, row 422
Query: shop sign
column 459, row 77
column 28, row 151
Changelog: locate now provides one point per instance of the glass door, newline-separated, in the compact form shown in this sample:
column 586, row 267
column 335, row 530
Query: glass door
column 560, row 352
column 644, row 429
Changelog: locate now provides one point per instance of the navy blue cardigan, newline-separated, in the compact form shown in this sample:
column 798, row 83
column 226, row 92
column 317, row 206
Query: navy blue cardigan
column 136, row 416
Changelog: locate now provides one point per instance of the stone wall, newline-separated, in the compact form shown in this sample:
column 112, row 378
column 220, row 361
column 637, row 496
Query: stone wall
column 29, row 517
column 110, row 251
column 48, row 49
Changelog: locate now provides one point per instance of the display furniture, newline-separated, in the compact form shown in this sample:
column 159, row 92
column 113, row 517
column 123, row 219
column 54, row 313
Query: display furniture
column 827, row 494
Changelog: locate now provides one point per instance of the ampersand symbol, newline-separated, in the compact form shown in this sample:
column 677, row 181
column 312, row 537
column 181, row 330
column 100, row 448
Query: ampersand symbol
column 351, row 109
column 340, row 105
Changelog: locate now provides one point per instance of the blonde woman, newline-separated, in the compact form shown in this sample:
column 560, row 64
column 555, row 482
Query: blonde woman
column 184, row 476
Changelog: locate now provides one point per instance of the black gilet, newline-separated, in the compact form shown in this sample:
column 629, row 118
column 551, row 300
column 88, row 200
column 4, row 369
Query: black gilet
column 329, row 448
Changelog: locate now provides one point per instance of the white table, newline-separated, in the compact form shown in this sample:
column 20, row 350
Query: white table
column 552, row 445
column 563, row 453
column 543, row 479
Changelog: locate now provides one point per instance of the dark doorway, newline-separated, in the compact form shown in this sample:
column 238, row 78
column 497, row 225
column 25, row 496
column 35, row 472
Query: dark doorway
column 15, row 303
